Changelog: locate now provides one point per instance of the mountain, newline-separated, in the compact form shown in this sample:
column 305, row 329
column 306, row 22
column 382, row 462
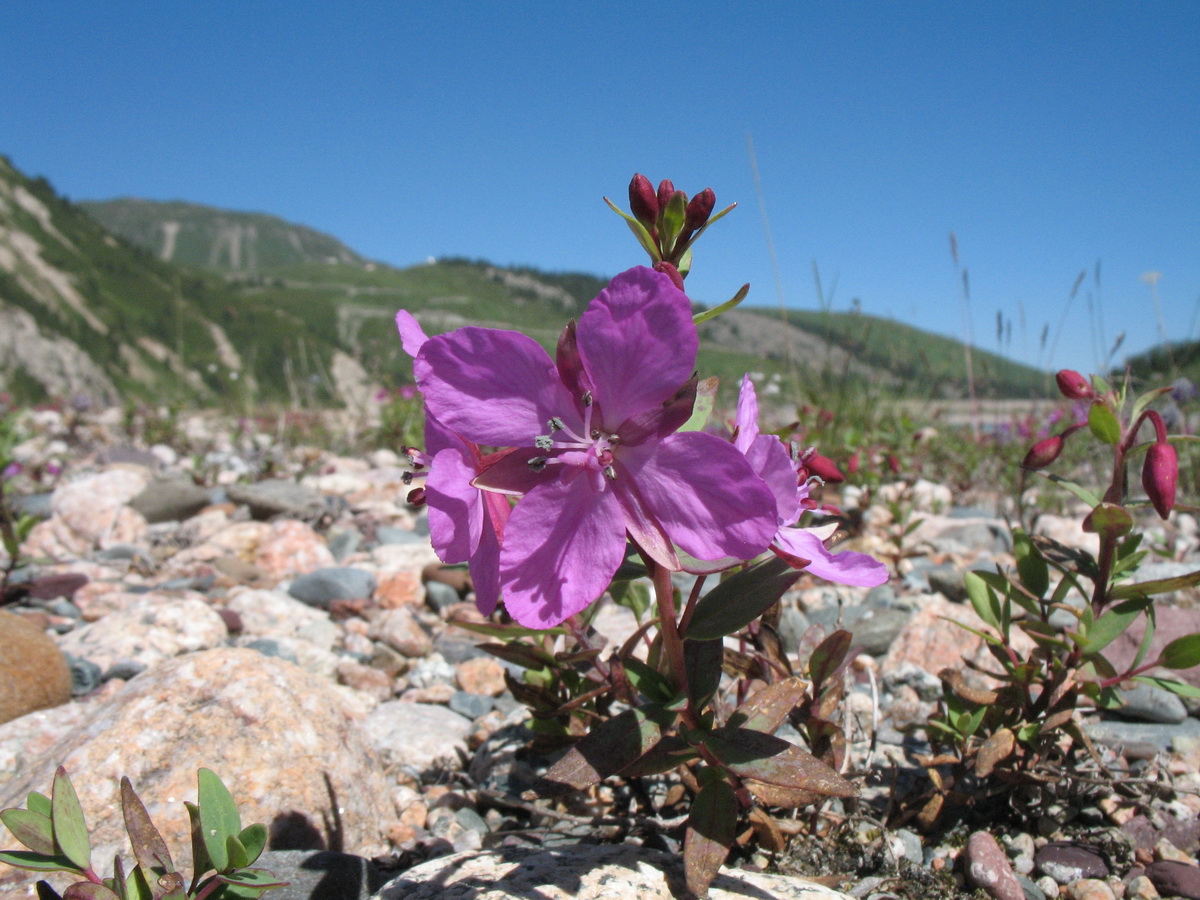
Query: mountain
column 294, row 316
column 203, row 237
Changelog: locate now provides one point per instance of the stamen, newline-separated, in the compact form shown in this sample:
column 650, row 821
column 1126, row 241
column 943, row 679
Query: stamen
column 611, row 473
column 537, row 463
column 587, row 399
column 407, row 477
column 544, row 442
column 555, row 424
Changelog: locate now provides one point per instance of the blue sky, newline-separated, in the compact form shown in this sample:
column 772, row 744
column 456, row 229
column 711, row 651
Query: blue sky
column 1048, row 137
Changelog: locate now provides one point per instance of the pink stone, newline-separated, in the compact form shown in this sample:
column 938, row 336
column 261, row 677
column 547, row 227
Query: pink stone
column 986, row 866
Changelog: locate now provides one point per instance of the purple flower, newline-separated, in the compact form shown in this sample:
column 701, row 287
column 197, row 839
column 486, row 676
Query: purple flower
column 598, row 453
column 465, row 523
column 804, row 548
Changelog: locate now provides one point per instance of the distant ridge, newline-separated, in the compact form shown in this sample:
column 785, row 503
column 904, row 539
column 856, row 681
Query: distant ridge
column 190, row 234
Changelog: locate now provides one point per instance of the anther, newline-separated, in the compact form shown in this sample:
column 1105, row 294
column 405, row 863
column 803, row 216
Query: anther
column 407, row 477
column 610, row 472
column 555, row 424
column 587, row 398
column 537, row 463
column 543, row 442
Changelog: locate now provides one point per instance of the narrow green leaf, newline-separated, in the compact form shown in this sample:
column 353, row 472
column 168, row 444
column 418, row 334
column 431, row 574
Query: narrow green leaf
column 238, row 857
column 1147, row 638
column 507, row 632
column 1157, row 586
column 739, row 600
column 1109, row 520
column 1081, row 492
column 729, row 304
column 1169, row 684
column 32, row 829
column 148, row 845
column 702, row 660
column 1181, row 653
column 672, row 218
column 1140, row 404
column 200, row 861
column 1031, row 565
column 706, row 396
column 520, row 654
column 254, row 839
column 983, row 599
column 70, row 827
column 711, row 829
column 828, row 657
column 633, row 595
column 648, row 680
column 1103, row 423
column 218, row 817
column 255, row 878
column 38, row 803
column 638, row 229
column 1110, row 626
column 773, row 761
column 39, row 862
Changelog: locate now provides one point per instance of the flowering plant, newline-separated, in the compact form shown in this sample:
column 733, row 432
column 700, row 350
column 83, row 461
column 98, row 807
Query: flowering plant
column 1025, row 726
column 558, row 479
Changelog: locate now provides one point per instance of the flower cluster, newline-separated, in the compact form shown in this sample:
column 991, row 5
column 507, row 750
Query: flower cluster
column 593, row 446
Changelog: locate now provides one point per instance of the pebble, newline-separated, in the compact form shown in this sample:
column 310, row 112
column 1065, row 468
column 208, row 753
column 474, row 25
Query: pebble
column 1175, row 879
column 986, row 866
column 1066, row 863
column 34, row 673
column 325, row 586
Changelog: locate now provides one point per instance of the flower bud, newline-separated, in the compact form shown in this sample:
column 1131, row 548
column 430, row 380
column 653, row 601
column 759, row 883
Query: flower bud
column 643, row 202
column 1160, row 474
column 699, row 208
column 665, row 190
column 1073, row 385
column 824, row 468
column 670, row 271
column 1043, row 452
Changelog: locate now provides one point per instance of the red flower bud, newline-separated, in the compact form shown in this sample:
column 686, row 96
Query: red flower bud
column 1043, row 452
column 823, row 468
column 1160, row 474
column 643, row 202
column 699, row 208
column 665, row 190
column 893, row 463
column 1073, row 385
column 852, row 466
column 669, row 270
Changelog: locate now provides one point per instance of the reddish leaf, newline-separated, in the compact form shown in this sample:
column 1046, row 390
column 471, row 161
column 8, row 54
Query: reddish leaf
column 829, row 656
column 605, row 750
column 767, row 709
column 148, row 846
column 711, row 828
column 774, row 762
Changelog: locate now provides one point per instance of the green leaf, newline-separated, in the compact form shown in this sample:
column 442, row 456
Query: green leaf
column 238, row 857
column 1031, row 565
column 32, row 829
column 711, row 829
column 255, row 878
column 38, row 803
column 1181, row 653
column 606, row 749
column 200, row 861
column 39, row 862
column 1110, row 626
column 70, row 827
column 254, row 839
column 1157, row 586
column 1081, row 492
column 1109, row 520
column 1103, row 423
column 648, row 680
column 218, row 817
column 672, row 219
column 983, row 599
column 639, row 231
column 1147, row 638
column 729, row 304
column 1140, row 404
column 507, row 632
column 739, row 600
column 148, row 845
column 828, row 657
column 702, row 660
column 706, row 396
column 633, row 595
column 520, row 654
column 1167, row 684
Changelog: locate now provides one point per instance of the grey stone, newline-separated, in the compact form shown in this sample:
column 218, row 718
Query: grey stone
column 270, row 647
column 440, row 596
column 1069, row 862
column 85, row 675
column 875, row 629
column 276, row 497
column 1148, row 703
column 419, row 736
column 324, row 586
column 583, row 872
column 36, row 506
column 322, row 875
column 124, row 669
column 470, row 705
column 792, row 625
column 170, row 500
column 1118, row 734
column 388, row 534
column 343, row 542
column 947, row 580
column 1031, row 889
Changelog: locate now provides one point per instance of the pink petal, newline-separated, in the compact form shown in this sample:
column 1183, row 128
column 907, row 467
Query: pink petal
column 747, row 415
column 705, row 494
column 509, row 473
column 772, row 463
column 637, row 343
column 646, row 531
column 455, row 507
column 846, row 567
column 412, row 335
column 492, row 387
column 562, row 546
column 485, row 570
column 659, row 421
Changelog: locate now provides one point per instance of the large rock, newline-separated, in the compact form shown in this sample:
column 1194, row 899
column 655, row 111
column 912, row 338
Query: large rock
column 33, row 672
column 584, row 872
column 282, row 740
